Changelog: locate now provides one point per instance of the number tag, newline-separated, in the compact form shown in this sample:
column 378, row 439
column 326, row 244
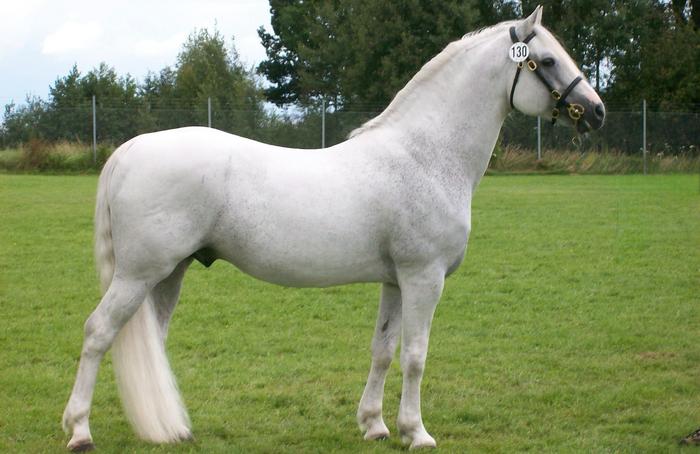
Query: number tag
column 519, row 52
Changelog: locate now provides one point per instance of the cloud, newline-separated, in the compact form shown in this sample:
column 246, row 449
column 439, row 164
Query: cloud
column 156, row 48
column 41, row 39
column 15, row 32
column 72, row 36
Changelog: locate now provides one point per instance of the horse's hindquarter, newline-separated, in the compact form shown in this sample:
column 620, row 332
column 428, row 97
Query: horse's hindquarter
column 165, row 192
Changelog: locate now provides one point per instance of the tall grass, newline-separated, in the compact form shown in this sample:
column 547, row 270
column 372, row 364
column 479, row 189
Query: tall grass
column 76, row 157
column 514, row 159
column 59, row 157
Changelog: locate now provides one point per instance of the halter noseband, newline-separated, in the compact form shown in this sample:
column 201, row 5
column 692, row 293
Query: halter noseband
column 575, row 110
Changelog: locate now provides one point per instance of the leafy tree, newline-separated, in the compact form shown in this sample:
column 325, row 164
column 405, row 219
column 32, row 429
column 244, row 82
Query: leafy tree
column 117, row 103
column 657, row 59
column 355, row 53
column 22, row 122
column 157, row 93
column 206, row 69
column 69, row 111
column 493, row 12
column 358, row 53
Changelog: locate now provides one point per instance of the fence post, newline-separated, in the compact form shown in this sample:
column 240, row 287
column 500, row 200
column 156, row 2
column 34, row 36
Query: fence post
column 644, row 134
column 209, row 111
column 323, row 122
column 94, row 131
column 539, row 138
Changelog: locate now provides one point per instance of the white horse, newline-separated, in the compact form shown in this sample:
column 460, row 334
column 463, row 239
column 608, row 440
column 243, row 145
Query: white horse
column 390, row 205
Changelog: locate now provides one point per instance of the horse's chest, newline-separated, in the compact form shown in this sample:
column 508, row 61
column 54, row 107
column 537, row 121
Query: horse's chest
column 439, row 236
column 455, row 241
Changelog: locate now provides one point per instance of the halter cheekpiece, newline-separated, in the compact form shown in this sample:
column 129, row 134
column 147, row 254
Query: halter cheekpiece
column 575, row 110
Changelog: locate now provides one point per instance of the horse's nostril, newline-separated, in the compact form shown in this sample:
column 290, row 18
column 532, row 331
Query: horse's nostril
column 599, row 111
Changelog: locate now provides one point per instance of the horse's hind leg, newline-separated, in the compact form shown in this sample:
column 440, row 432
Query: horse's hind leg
column 119, row 303
column 386, row 335
column 166, row 295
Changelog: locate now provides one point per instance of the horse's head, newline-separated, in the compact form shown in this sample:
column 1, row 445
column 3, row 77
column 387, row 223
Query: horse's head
column 547, row 81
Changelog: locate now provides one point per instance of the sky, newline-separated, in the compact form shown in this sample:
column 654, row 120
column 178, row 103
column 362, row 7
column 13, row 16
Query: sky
column 40, row 40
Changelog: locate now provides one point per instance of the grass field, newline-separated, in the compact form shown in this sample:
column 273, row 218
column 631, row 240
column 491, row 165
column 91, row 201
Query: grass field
column 572, row 326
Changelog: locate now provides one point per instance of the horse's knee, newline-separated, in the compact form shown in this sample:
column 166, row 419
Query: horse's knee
column 382, row 355
column 413, row 362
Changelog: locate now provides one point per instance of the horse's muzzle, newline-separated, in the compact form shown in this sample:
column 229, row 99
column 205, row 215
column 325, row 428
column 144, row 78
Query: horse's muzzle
column 596, row 116
column 593, row 118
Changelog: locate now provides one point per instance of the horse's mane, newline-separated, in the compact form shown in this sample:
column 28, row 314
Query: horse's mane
column 468, row 41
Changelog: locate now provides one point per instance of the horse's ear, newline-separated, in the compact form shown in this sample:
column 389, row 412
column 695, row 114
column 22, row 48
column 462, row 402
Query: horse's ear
column 536, row 16
column 528, row 24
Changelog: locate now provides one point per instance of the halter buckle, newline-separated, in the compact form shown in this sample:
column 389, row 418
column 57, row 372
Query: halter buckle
column 575, row 111
column 531, row 65
column 556, row 95
column 555, row 113
column 521, row 64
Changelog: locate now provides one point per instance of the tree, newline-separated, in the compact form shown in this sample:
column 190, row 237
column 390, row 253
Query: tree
column 69, row 110
column 157, row 92
column 358, row 53
column 495, row 11
column 21, row 123
column 206, row 69
column 355, row 53
column 657, row 59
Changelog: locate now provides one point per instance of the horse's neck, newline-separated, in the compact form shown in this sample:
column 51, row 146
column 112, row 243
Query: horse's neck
column 450, row 121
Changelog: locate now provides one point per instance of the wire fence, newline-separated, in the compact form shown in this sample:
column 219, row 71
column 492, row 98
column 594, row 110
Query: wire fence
column 629, row 130
column 624, row 131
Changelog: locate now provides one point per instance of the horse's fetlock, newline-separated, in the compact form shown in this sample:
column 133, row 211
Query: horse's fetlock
column 365, row 414
column 73, row 416
column 408, row 424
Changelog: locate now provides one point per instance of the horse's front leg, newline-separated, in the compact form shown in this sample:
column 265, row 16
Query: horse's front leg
column 386, row 336
column 420, row 293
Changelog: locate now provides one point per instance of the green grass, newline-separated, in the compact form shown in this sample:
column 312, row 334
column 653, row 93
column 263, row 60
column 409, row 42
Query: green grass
column 572, row 326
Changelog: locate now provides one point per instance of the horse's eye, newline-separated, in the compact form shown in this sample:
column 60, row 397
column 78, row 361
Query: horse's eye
column 549, row 61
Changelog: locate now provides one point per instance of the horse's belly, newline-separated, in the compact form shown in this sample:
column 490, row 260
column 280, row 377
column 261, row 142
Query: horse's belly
column 311, row 228
column 307, row 265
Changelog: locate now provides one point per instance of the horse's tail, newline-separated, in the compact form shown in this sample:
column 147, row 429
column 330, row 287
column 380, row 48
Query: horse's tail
column 104, row 251
column 147, row 387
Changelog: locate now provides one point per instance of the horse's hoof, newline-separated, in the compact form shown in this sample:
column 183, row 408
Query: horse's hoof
column 81, row 446
column 424, row 444
column 188, row 437
column 422, row 440
column 380, row 437
column 691, row 439
column 381, row 434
